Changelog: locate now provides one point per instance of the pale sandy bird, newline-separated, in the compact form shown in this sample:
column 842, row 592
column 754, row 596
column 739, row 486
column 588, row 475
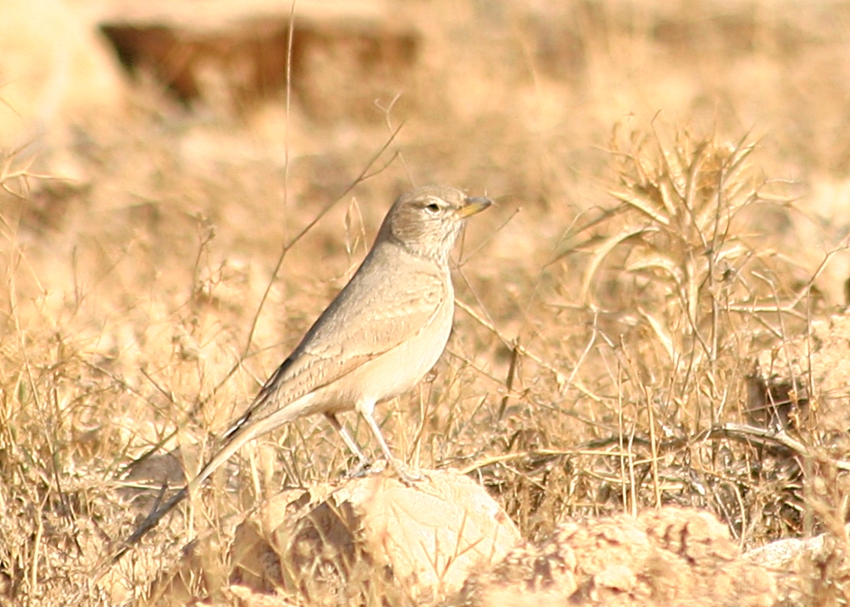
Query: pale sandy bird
column 377, row 339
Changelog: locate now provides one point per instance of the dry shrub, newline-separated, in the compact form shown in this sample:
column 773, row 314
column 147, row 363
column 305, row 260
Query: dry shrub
column 680, row 290
column 620, row 408
column 694, row 294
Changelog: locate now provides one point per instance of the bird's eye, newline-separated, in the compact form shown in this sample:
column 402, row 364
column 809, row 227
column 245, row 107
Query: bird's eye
column 432, row 208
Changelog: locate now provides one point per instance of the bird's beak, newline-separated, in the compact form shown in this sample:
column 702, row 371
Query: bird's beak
column 473, row 206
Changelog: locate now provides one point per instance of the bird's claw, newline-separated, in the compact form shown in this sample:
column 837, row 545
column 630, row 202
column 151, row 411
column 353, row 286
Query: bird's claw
column 406, row 474
column 363, row 467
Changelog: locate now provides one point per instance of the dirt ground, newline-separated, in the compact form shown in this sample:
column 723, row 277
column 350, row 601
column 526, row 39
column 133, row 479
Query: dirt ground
column 673, row 207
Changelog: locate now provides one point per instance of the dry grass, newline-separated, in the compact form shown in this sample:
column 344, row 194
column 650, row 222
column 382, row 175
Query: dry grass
column 611, row 307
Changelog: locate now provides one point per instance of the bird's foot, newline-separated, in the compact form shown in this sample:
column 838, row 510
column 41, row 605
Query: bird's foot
column 363, row 467
column 406, row 474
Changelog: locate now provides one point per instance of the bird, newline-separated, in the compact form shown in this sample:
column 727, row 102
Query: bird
column 378, row 338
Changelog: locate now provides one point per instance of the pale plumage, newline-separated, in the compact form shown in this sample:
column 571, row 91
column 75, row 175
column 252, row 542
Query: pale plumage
column 376, row 340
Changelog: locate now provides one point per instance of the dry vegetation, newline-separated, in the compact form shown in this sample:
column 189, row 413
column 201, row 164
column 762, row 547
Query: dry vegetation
column 673, row 203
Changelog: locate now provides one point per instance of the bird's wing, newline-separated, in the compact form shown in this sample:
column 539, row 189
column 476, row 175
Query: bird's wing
column 373, row 314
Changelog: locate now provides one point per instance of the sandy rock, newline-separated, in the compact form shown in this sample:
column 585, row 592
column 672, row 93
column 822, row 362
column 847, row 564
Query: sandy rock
column 54, row 70
column 798, row 562
column 671, row 556
column 435, row 534
column 368, row 537
column 778, row 388
column 232, row 55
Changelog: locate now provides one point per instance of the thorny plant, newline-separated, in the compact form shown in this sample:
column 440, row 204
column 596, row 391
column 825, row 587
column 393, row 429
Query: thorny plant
column 691, row 274
column 686, row 292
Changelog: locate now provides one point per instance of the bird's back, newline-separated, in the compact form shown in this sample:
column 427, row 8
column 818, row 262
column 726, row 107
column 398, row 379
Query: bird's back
column 393, row 298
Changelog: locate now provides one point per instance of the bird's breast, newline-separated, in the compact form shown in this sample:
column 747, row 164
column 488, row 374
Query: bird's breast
column 397, row 370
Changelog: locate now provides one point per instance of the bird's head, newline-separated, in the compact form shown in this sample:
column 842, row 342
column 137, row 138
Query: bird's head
column 428, row 220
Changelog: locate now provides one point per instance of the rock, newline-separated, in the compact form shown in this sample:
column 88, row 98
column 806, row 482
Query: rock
column 801, row 562
column 55, row 72
column 371, row 536
column 778, row 388
column 671, row 556
column 343, row 55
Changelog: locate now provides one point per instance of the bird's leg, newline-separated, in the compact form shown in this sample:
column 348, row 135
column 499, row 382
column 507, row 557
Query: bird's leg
column 364, row 462
column 404, row 473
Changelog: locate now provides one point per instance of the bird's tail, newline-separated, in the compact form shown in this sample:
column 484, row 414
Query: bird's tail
column 245, row 430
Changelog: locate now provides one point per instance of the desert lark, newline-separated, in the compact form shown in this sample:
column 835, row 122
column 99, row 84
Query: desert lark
column 377, row 339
